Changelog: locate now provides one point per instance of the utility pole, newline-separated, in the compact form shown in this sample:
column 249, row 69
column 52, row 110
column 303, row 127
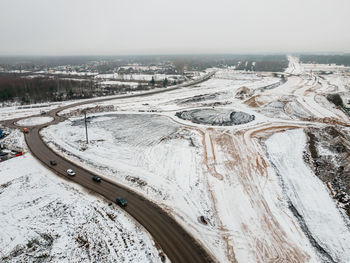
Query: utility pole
column 87, row 140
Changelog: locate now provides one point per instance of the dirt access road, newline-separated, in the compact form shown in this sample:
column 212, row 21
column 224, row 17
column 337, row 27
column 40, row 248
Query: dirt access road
column 178, row 245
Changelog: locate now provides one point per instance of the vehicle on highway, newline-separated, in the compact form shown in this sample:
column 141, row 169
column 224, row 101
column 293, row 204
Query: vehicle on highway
column 70, row 172
column 25, row 130
column 96, row 179
column 121, row 202
column 53, row 162
column 162, row 256
column 203, row 220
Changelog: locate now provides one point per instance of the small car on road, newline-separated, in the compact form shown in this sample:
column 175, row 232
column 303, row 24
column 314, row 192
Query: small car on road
column 203, row 220
column 96, row 179
column 121, row 202
column 70, row 172
column 162, row 256
column 53, row 162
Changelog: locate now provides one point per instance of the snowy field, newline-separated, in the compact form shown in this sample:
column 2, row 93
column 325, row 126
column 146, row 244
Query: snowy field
column 263, row 203
column 17, row 111
column 115, row 82
column 34, row 121
column 48, row 219
column 142, row 77
column 149, row 163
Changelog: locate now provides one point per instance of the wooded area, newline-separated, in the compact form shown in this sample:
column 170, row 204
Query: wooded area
column 34, row 90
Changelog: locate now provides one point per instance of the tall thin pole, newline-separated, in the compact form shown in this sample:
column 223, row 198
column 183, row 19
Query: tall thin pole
column 87, row 140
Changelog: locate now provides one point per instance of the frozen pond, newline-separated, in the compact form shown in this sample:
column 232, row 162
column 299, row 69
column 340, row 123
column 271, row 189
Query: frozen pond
column 217, row 117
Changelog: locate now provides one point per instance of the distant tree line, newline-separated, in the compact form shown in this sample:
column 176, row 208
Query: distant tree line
column 108, row 64
column 326, row 59
column 41, row 89
column 265, row 65
column 275, row 63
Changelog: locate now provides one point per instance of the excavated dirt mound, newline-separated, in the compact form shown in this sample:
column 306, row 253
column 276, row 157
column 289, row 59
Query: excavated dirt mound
column 329, row 155
column 216, row 117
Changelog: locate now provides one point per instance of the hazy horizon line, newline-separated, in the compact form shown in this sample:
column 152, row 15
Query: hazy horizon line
column 180, row 54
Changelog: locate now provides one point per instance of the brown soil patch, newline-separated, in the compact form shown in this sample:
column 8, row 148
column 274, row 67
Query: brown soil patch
column 244, row 165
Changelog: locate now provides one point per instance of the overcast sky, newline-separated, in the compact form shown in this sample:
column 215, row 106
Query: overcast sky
column 113, row 27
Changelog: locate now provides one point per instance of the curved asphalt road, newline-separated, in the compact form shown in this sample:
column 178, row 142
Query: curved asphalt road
column 178, row 245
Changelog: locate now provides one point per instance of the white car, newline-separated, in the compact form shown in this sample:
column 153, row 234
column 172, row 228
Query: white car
column 70, row 172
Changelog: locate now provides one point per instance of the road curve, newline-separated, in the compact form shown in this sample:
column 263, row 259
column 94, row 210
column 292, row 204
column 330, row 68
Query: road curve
column 178, row 245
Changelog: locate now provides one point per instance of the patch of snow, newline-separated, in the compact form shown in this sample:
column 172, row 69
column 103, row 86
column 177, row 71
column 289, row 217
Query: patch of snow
column 34, row 121
column 294, row 66
column 114, row 82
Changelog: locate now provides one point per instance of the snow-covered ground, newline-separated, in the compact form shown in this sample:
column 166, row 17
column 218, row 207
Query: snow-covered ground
column 258, row 209
column 221, row 88
column 14, row 140
column 294, row 66
column 190, row 172
column 16, row 111
column 309, row 196
column 162, row 163
column 47, row 219
column 34, row 121
column 115, row 82
column 142, row 77
column 325, row 67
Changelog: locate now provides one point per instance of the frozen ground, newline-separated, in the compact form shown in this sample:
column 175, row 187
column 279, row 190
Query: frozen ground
column 34, row 121
column 142, row 77
column 17, row 111
column 14, row 140
column 257, row 209
column 294, row 66
column 309, row 197
column 48, row 219
column 115, row 82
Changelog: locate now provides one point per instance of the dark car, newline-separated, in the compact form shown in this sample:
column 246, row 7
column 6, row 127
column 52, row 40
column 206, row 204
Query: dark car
column 121, row 202
column 96, row 179
column 53, row 162
column 203, row 220
column 162, row 256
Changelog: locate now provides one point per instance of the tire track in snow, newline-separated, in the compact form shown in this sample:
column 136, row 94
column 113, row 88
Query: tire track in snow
column 307, row 232
column 247, row 166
